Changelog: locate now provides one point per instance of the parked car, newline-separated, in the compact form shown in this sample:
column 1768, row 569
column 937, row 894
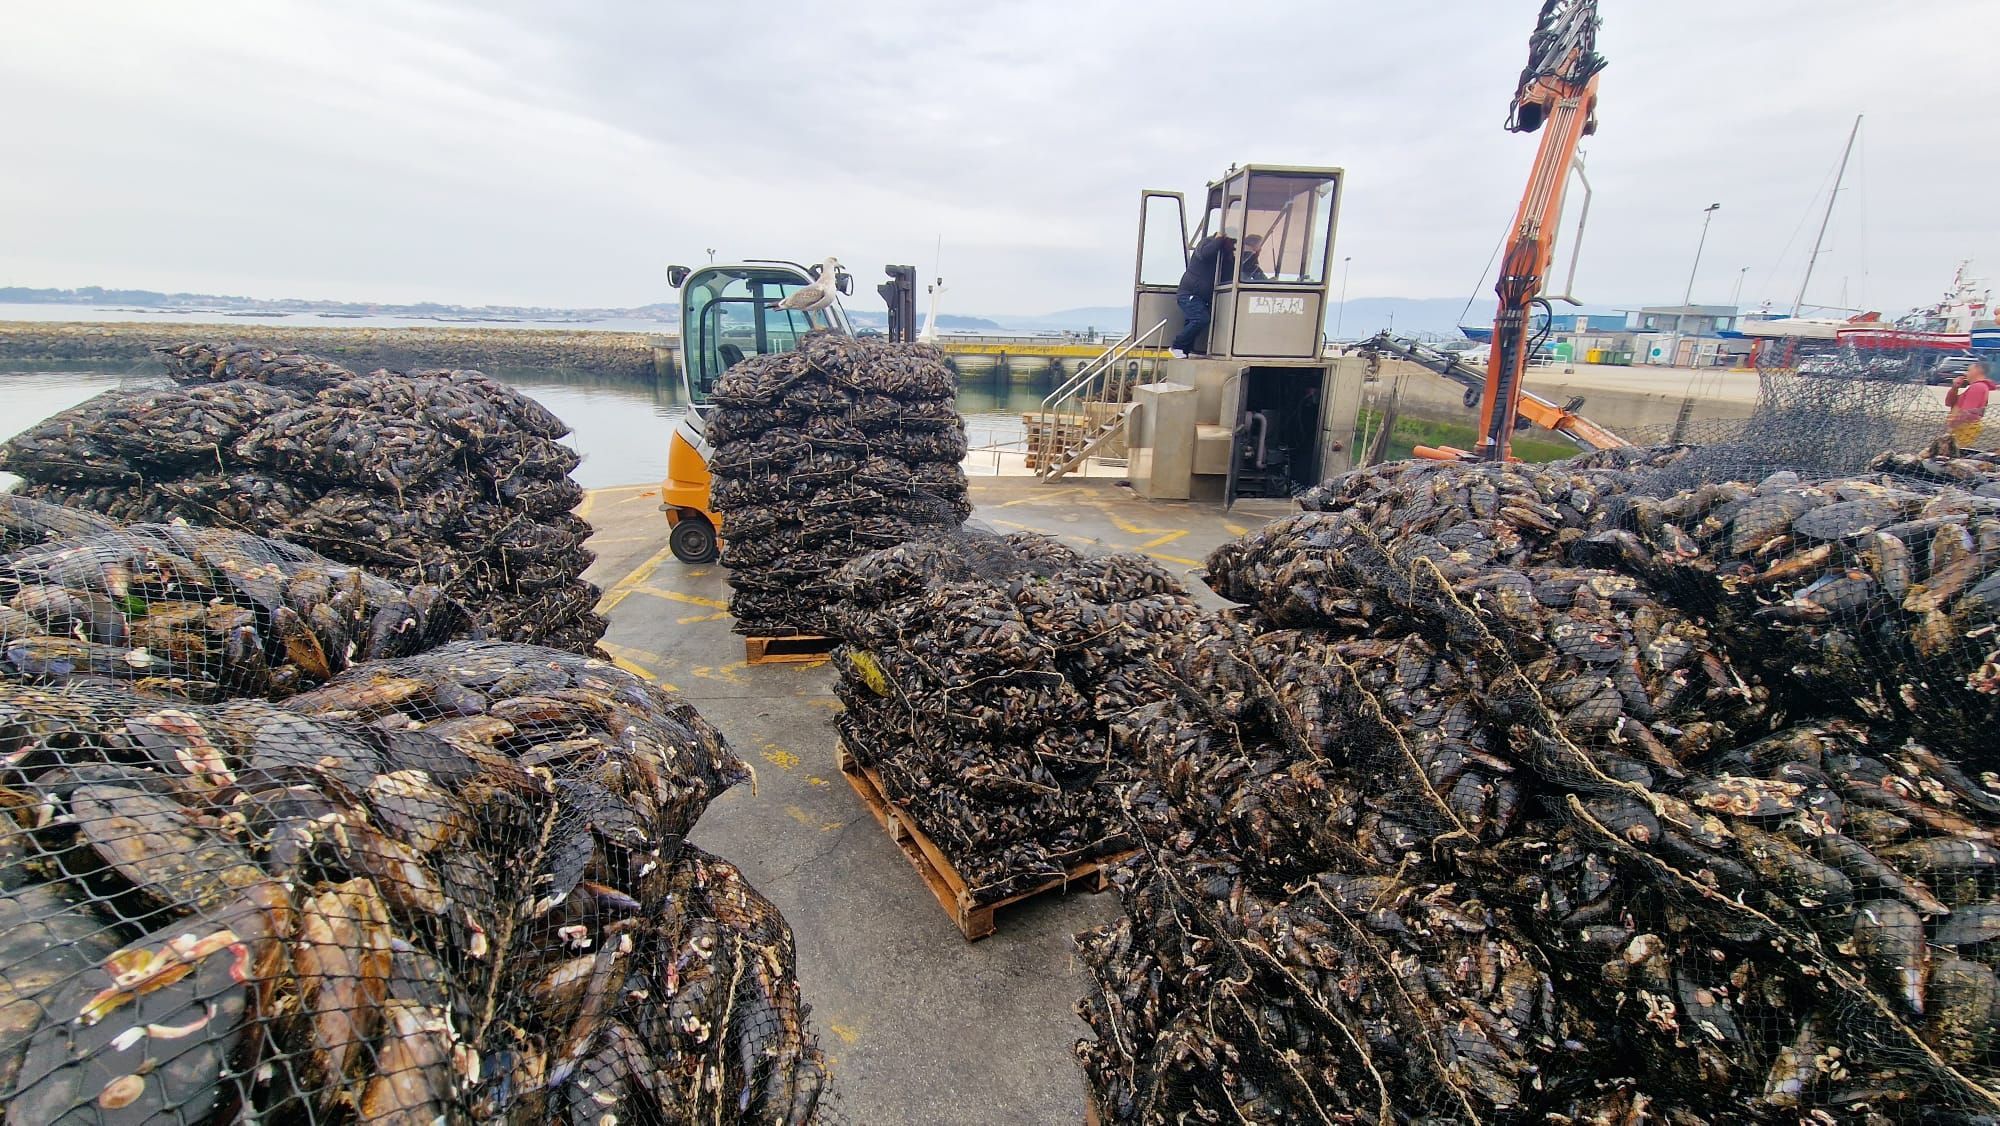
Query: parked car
column 1951, row 367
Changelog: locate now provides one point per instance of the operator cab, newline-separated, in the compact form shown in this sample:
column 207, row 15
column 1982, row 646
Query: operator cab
column 1264, row 415
column 731, row 312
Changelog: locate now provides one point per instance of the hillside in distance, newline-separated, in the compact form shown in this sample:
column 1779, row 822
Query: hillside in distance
column 102, row 297
column 1361, row 317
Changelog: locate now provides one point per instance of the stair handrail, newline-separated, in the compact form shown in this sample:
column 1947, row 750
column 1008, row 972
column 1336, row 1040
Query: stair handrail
column 1048, row 443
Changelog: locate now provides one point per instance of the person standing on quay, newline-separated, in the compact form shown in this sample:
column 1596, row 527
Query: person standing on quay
column 1967, row 397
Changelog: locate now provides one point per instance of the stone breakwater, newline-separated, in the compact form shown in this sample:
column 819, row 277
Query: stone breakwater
column 630, row 354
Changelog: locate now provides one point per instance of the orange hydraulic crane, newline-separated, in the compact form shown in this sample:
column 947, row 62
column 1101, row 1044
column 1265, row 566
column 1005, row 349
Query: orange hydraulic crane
column 1558, row 96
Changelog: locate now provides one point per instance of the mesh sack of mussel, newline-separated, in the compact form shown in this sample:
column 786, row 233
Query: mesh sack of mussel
column 980, row 675
column 444, row 477
column 199, row 613
column 1465, row 818
column 448, row 888
column 825, row 454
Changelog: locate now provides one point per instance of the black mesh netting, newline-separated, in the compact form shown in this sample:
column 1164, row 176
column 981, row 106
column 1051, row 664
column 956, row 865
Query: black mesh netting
column 448, row 888
column 1543, row 793
column 440, row 477
column 29, row 523
column 1828, row 415
column 980, row 675
column 825, row 454
column 200, row 613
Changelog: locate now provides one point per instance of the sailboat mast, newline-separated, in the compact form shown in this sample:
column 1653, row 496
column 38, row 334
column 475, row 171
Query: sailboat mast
column 936, row 292
column 1828, row 217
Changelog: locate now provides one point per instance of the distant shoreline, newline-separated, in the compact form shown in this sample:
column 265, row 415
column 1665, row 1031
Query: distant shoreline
column 131, row 343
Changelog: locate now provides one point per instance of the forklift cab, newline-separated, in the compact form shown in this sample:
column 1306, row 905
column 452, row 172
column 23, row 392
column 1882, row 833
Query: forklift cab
column 728, row 313
column 1265, row 417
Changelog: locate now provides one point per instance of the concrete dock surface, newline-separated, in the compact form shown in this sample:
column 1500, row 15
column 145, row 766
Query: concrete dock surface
column 919, row 1025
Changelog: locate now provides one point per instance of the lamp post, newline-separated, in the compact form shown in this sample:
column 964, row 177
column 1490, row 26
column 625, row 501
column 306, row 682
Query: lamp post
column 1680, row 322
column 1341, row 316
column 1736, row 297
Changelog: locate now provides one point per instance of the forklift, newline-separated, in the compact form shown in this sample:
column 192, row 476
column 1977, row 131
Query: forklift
column 730, row 312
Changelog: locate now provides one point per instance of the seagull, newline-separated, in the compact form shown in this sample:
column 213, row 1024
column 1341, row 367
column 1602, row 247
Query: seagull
column 818, row 295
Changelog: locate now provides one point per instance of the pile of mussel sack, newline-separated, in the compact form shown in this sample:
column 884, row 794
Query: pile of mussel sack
column 197, row 613
column 824, row 454
column 1522, row 793
column 444, row 477
column 980, row 675
column 449, row 888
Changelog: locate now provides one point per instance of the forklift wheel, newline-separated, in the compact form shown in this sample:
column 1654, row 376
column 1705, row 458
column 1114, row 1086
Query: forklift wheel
column 693, row 540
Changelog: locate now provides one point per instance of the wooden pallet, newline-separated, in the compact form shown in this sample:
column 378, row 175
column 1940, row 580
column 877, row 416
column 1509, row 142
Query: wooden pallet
column 1090, row 1115
column 792, row 649
column 974, row 920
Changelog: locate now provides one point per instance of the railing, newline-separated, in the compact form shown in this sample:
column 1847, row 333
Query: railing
column 1103, row 379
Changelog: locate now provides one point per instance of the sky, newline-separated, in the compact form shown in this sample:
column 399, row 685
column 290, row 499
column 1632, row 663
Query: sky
column 519, row 152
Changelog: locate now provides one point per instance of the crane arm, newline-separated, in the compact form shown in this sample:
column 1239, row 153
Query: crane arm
column 1561, row 418
column 1557, row 95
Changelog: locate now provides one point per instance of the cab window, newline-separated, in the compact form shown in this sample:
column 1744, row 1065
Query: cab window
column 729, row 316
column 1291, row 214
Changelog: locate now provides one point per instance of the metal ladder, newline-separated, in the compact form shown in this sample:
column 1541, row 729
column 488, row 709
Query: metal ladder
column 1103, row 379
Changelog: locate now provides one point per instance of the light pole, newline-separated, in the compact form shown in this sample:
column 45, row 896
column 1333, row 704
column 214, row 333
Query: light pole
column 1736, row 298
column 1341, row 316
column 1680, row 322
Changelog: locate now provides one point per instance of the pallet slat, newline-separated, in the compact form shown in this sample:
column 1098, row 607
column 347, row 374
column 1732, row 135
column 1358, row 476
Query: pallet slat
column 974, row 920
column 791, row 649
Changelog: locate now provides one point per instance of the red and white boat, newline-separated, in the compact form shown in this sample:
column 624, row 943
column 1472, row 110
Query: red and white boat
column 1943, row 328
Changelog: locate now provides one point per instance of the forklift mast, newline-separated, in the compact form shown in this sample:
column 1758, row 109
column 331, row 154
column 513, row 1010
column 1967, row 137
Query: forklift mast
column 899, row 293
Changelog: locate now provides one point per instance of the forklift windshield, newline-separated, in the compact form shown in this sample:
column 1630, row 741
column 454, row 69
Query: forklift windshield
column 729, row 313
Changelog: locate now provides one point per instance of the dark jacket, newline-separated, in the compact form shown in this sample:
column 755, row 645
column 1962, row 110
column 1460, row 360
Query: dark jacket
column 1213, row 252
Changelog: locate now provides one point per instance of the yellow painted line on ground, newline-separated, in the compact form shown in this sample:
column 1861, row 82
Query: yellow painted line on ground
column 1165, row 558
column 1132, row 529
column 727, row 673
column 1235, row 529
column 1043, row 497
column 678, row 596
column 779, row 757
column 590, row 496
column 636, row 662
column 635, row 668
column 1038, row 530
column 848, row 1033
column 721, row 609
column 811, row 822
column 623, row 588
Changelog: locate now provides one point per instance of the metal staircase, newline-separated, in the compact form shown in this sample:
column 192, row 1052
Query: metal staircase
column 1087, row 411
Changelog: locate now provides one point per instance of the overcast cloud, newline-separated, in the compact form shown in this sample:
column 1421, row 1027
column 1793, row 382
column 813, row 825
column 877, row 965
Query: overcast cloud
column 534, row 153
